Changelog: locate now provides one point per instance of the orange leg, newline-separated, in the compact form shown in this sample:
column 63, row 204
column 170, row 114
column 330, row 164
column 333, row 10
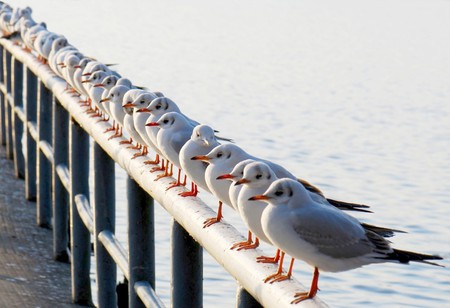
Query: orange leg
column 162, row 168
column 283, row 277
column 264, row 259
column 143, row 153
column 301, row 296
column 192, row 193
column 153, row 162
column 178, row 182
column 113, row 127
column 211, row 221
column 118, row 133
column 127, row 141
column 166, row 172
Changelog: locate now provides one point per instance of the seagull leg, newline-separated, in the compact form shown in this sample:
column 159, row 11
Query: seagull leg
column 211, row 221
column 167, row 172
column 178, row 182
column 162, row 168
column 301, row 296
column 127, row 141
column 143, row 153
column 153, row 162
column 113, row 127
column 264, row 259
column 117, row 134
column 283, row 277
column 192, row 193
column 247, row 242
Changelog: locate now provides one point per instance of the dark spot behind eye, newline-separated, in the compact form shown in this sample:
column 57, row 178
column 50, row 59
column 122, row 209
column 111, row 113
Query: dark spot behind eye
column 269, row 177
column 290, row 192
column 229, row 155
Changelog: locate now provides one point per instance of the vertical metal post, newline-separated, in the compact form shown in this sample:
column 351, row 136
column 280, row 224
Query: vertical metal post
column 17, row 85
column 30, row 112
column 187, row 269
column 60, row 195
column 141, row 239
column 245, row 299
column 2, row 101
column 104, row 219
column 8, row 113
column 44, row 189
column 80, row 237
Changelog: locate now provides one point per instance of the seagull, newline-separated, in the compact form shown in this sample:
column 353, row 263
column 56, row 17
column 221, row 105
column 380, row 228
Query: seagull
column 322, row 236
column 141, row 103
column 202, row 141
column 115, row 97
column 175, row 131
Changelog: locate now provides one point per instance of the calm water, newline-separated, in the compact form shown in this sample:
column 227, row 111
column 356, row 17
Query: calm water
column 354, row 97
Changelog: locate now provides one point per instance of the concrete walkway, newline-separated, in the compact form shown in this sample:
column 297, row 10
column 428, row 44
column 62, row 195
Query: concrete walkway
column 29, row 277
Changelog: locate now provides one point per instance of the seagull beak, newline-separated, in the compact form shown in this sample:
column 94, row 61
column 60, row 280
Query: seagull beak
column 104, row 100
column 258, row 197
column 98, row 85
column 152, row 124
column 129, row 105
column 225, row 177
column 241, row 181
column 86, row 74
column 61, row 64
column 84, row 81
column 201, row 157
column 77, row 66
column 143, row 110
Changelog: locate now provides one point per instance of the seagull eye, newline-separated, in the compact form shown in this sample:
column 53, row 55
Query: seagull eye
column 219, row 154
column 166, row 121
column 158, row 107
column 279, row 193
column 198, row 135
column 142, row 102
column 112, row 94
column 258, row 176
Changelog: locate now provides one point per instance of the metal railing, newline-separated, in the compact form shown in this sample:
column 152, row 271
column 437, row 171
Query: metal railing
column 34, row 103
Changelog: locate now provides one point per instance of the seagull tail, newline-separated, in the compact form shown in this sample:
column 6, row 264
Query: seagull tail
column 347, row 206
column 384, row 232
column 225, row 139
column 404, row 256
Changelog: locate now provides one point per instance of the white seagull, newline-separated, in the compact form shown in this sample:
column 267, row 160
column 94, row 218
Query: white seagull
column 323, row 236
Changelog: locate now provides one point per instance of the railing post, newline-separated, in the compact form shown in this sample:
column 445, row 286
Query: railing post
column 104, row 219
column 60, row 194
column 187, row 269
column 80, row 237
column 30, row 112
column 17, row 85
column 2, row 101
column 44, row 189
column 8, row 112
column 245, row 299
column 141, row 239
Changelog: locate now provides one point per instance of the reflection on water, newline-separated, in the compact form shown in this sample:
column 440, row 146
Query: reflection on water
column 353, row 96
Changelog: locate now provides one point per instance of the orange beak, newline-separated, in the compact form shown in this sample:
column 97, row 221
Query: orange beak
column 104, row 100
column 152, row 124
column 201, row 157
column 258, row 197
column 86, row 74
column 77, row 66
column 143, row 110
column 98, row 85
column 225, row 177
column 84, row 81
column 129, row 105
column 241, row 181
